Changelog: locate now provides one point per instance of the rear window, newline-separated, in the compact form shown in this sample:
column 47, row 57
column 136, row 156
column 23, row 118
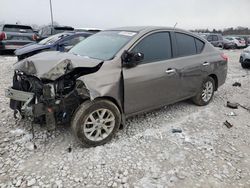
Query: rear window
column 17, row 28
column 215, row 38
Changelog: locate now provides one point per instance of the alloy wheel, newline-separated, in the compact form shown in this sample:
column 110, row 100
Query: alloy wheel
column 99, row 124
column 207, row 91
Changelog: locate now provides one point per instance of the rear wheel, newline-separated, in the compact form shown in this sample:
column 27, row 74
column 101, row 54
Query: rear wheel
column 206, row 92
column 96, row 122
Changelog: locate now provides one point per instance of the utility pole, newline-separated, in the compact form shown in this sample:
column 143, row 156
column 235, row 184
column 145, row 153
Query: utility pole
column 51, row 14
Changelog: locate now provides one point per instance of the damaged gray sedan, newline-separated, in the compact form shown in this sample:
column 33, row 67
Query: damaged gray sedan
column 115, row 74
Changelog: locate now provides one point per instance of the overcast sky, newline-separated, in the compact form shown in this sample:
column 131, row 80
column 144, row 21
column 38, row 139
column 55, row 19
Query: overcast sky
column 189, row 14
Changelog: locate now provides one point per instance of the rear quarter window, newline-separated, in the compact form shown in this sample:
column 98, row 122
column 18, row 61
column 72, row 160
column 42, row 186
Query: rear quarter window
column 199, row 45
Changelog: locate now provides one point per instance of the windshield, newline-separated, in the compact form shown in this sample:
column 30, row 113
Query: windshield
column 103, row 45
column 52, row 39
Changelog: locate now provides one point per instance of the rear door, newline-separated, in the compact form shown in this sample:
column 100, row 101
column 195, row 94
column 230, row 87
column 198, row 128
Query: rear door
column 189, row 63
column 154, row 81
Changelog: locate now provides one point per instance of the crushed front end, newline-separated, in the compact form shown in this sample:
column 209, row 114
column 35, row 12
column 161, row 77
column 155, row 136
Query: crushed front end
column 48, row 94
column 43, row 101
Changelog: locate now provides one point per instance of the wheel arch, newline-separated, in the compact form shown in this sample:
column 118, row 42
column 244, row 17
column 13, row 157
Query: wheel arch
column 215, row 78
column 113, row 100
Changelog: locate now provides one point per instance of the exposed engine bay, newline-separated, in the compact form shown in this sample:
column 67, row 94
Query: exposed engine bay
column 56, row 93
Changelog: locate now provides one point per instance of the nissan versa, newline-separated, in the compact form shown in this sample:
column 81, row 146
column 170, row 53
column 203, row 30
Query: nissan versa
column 115, row 74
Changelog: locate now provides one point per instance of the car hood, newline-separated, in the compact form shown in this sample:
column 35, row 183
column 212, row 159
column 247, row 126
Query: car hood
column 31, row 48
column 53, row 65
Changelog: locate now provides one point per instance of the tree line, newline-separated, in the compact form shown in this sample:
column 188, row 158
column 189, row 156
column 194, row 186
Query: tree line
column 227, row 31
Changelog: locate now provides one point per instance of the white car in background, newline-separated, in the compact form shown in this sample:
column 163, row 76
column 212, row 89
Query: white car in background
column 238, row 41
column 245, row 58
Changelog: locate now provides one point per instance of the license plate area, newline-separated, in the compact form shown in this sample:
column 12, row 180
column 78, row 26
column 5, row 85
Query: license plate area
column 18, row 95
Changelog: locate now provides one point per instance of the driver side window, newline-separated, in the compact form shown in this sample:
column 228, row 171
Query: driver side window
column 155, row 47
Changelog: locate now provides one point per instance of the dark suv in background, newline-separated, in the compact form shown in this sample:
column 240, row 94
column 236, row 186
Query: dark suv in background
column 218, row 40
column 52, row 30
column 215, row 39
column 15, row 36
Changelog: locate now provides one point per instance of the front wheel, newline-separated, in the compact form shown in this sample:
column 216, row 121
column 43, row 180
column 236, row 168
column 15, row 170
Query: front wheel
column 206, row 92
column 95, row 122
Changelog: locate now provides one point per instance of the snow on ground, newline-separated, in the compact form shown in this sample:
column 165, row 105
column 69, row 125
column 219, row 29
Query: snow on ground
column 145, row 154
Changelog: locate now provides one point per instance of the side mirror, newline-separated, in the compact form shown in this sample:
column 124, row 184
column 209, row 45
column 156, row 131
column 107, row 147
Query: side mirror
column 131, row 59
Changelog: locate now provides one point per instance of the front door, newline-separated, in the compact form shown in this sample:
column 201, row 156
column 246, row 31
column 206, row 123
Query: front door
column 155, row 81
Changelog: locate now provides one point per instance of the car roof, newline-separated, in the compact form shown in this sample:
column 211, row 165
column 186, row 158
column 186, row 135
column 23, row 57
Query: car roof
column 16, row 25
column 145, row 29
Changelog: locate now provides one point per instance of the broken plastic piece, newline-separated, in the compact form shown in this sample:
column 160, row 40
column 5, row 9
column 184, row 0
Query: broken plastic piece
column 69, row 149
column 229, row 125
column 232, row 105
column 176, row 131
column 237, row 84
column 231, row 114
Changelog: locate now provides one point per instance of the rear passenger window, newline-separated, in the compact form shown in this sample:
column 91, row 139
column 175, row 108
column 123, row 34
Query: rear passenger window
column 185, row 44
column 199, row 45
column 155, row 47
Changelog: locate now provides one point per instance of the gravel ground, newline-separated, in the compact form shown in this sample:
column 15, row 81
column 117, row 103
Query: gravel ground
column 145, row 154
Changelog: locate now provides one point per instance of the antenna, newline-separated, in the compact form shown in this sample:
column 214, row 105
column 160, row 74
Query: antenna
column 175, row 25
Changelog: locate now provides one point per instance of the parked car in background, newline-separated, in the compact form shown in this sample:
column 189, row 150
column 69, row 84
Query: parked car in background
column 215, row 39
column 245, row 58
column 49, row 30
column 60, row 42
column 91, row 30
column 239, row 42
column 247, row 39
column 99, row 83
column 227, row 44
column 13, row 36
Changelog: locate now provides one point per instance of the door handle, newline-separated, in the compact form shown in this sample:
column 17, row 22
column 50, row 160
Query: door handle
column 205, row 64
column 170, row 71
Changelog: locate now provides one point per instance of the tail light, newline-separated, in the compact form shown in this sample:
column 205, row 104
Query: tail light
column 3, row 36
column 224, row 57
column 34, row 37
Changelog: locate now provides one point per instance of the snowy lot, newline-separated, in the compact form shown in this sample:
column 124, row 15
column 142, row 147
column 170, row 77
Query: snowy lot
column 146, row 154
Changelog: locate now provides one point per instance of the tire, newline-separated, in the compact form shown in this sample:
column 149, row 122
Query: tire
column 200, row 99
column 88, row 111
column 244, row 65
column 241, row 59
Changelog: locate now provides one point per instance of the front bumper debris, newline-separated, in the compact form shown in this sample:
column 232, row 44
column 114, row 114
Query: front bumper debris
column 23, row 96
